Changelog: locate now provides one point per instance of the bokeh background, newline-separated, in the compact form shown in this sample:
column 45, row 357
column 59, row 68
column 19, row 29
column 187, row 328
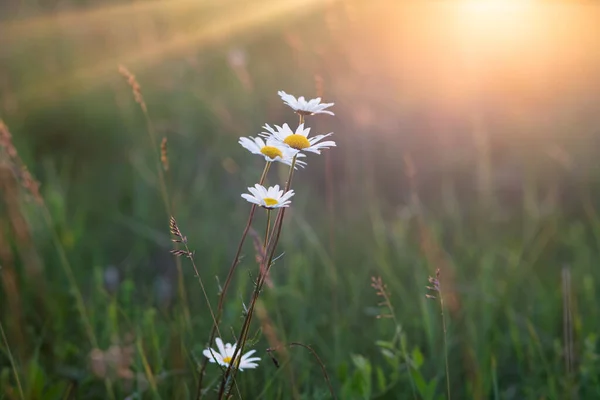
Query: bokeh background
column 467, row 136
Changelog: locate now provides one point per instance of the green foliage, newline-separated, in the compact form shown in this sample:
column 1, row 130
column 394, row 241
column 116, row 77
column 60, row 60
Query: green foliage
column 136, row 334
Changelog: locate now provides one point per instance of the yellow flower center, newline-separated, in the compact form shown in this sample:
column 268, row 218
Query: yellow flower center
column 297, row 141
column 271, row 152
column 270, row 202
column 227, row 360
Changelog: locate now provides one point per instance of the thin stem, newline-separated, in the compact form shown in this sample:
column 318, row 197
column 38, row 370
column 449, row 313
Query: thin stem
column 147, row 370
column 445, row 343
column 264, row 270
column 263, row 176
column 156, row 148
column 388, row 302
column 190, row 255
column 267, row 229
column 316, row 356
column 226, row 284
column 12, row 362
column 167, row 203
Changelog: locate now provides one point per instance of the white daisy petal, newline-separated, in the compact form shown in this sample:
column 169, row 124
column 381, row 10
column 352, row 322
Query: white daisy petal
column 317, row 138
column 251, row 199
column 287, row 196
column 225, row 353
column 248, row 354
column 323, row 145
column 255, row 193
column 303, row 107
column 298, row 140
column 268, row 198
column 270, row 150
column 220, row 346
column 262, row 192
column 207, row 353
column 229, row 350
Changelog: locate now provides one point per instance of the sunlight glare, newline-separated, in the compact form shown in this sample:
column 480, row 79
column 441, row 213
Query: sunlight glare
column 180, row 39
column 498, row 18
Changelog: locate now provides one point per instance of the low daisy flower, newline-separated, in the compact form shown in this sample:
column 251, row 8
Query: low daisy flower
column 303, row 107
column 298, row 140
column 225, row 354
column 268, row 198
column 271, row 150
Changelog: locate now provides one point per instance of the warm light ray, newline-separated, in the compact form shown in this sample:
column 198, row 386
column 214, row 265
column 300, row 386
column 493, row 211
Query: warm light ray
column 498, row 17
column 455, row 53
column 70, row 19
column 482, row 7
column 229, row 24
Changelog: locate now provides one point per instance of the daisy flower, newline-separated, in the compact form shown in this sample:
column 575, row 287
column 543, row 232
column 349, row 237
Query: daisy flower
column 298, row 140
column 268, row 198
column 225, row 354
column 303, row 107
column 271, row 150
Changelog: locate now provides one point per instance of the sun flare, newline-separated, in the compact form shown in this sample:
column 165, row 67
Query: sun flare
column 498, row 17
column 495, row 6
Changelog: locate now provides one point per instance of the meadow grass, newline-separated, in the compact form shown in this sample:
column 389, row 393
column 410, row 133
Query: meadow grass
column 94, row 304
column 506, row 312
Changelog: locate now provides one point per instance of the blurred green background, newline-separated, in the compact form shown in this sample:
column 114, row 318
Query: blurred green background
column 467, row 139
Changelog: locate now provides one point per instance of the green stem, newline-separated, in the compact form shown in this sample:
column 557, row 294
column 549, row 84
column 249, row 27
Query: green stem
column 232, row 268
column 264, row 270
column 267, row 229
column 445, row 344
column 164, row 192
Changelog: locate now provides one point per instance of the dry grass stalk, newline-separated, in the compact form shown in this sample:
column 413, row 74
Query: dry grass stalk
column 182, row 239
column 381, row 290
column 6, row 141
column 429, row 244
column 437, row 293
column 10, row 284
column 14, row 228
column 135, row 87
column 164, row 159
column 14, row 162
column 137, row 94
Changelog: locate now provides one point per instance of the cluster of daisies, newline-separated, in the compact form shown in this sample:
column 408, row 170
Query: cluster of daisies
column 287, row 146
column 284, row 145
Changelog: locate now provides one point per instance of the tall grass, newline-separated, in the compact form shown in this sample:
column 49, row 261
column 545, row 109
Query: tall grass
column 503, row 339
column 94, row 305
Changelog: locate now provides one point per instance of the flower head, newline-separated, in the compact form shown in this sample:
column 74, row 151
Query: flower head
column 225, row 354
column 268, row 198
column 298, row 140
column 303, row 107
column 271, row 150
